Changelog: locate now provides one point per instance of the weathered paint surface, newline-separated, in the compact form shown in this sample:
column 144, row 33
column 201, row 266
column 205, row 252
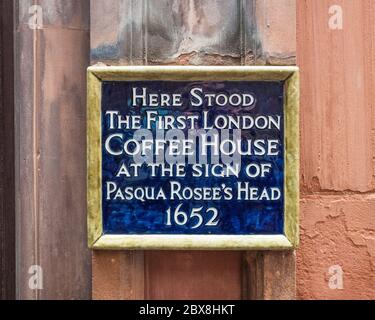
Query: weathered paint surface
column 337, row 90
column 276, row 29
column 339, row 231
column 50, row 150
column 212, row 32
column 337, row 150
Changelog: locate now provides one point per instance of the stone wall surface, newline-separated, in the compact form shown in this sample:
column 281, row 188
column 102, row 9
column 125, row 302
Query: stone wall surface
column 337, row 150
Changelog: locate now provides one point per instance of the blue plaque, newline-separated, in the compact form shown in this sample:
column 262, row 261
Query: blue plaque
column 205, row 161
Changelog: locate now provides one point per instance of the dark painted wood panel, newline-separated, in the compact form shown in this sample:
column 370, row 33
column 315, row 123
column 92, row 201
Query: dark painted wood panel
column 51, row 170
column 7, row 200
column 186, row 275
column 213, row 32
column 269, row 275
column 118, row 275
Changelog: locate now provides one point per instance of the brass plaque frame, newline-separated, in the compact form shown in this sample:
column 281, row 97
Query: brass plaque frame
column 290, row 238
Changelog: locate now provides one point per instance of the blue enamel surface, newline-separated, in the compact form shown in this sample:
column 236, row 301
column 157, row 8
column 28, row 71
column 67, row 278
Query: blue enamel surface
column 236, row 217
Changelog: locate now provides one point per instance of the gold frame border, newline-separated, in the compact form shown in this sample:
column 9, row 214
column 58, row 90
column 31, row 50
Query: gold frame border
column 290, row 239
